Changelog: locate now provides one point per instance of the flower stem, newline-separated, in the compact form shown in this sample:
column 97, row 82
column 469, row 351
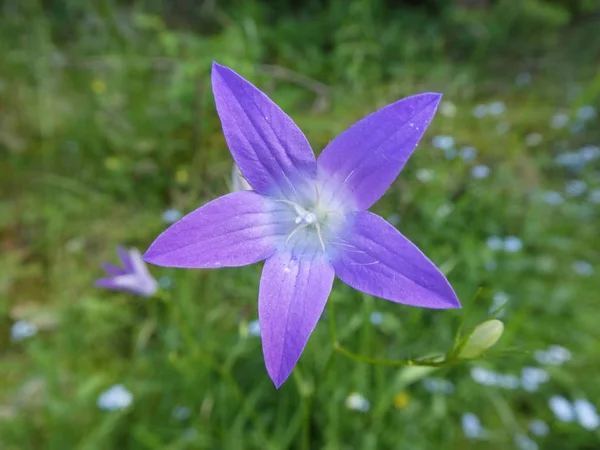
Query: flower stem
column 339, row 348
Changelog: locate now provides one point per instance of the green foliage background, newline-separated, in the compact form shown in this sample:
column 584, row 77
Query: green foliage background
column 107, row 120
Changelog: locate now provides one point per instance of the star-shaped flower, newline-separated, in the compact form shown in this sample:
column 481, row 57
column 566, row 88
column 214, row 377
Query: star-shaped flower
column 134, row 277
column 307, row 217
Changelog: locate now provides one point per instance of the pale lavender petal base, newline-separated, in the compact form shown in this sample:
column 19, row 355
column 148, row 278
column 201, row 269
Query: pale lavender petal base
column 234, row 230
column 360, row 164
column 293, row 293
column 373, row 257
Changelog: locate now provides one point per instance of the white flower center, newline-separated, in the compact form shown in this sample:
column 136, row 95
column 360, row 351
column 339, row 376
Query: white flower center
column 312, row 220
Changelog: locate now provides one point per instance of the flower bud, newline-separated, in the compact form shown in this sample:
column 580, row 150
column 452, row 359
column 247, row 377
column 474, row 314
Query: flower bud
column 483, row 337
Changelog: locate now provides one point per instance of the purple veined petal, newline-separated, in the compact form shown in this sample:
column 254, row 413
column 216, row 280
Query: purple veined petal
column 129, row 283
column 293, row 292
column 270, row 150
column 125, row 257
column 361, row 163
column 107, row 283
column 137, row 263
column 372, row 256
column 234, row 230
column 113, row 270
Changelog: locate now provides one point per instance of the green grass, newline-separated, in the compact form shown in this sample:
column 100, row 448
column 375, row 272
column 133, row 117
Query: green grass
column 107, row 119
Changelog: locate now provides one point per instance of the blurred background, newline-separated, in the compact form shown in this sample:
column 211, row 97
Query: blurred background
column 108, row 133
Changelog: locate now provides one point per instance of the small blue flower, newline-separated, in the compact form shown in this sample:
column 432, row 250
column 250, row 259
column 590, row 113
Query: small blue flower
column 443, row 142
column 468, row 153
column 115, row 398
column 512, row 244
column 471, row 426
column 562, row 408
column 589, row 152
column 480, row 111
column 577, row 127
column 495, row 243
column 171, row 215
column 450, row 153
column 552, row 198
column 358, row 402
column 575, row 188
column 22, row 330
column 587, row 415
column 508, row 381
column 165, row 282
column 587, row 112
column 532, row 377
column 496, row 108
column 555, row 355
column 376, row 318
column 480, row 171
column 559, row 120
column 583, row 268
column 524, row 442
column 594, row 196
column 181, row 413
column 254, row 329
column 569, row 160
column 434, row 385
column 539, row 428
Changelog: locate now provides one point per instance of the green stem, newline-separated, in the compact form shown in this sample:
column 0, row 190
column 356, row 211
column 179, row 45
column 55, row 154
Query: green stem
column 338, row 348
column 390, row 362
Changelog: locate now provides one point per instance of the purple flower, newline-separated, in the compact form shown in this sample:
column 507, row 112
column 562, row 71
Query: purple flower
column 307, row 217
column 134, row 277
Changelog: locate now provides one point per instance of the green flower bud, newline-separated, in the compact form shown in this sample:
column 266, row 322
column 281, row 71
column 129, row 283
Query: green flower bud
column 481, row 338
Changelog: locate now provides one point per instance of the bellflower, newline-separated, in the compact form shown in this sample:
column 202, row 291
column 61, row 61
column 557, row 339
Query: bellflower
column 307, row 218
column 134, row 277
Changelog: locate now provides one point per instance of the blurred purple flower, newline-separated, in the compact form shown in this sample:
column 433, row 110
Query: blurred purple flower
column 134, row 277
column 307, row 217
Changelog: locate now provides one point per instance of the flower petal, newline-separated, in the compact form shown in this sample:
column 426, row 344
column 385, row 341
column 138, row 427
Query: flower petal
column 272, row 153
column 233, row 230
column 126, row 259
column 130, row 283
column 113, row 270
column 373, row 257
column 293, row 293
column 361, row 163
